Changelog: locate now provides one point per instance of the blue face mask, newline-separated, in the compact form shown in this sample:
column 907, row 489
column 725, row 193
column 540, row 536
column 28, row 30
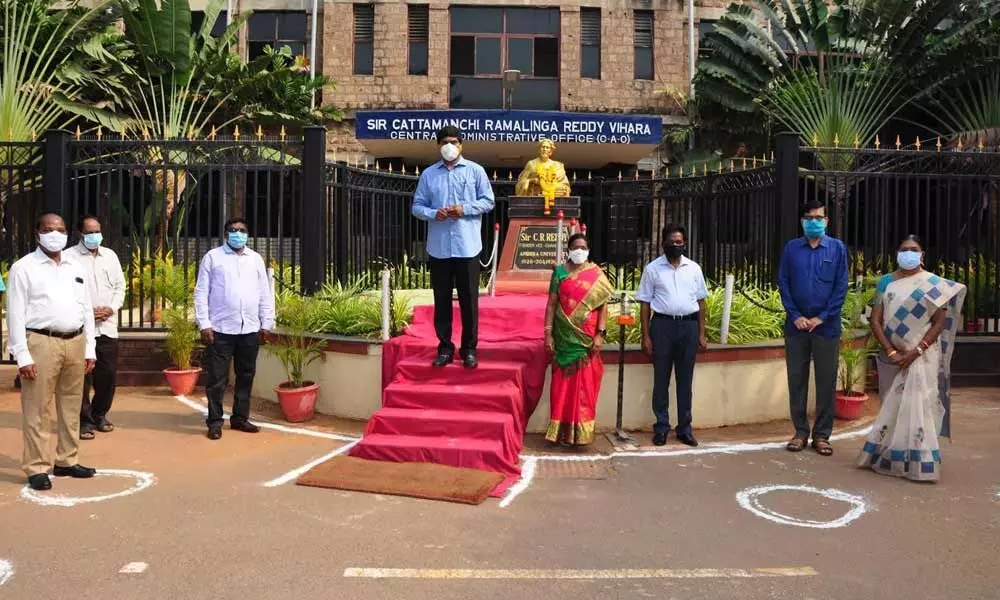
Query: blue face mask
column 92, row 241
column 237, row 240
column 908, row 260
column 814, row 228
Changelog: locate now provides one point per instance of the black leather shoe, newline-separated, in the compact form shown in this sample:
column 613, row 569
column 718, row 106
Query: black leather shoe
column 659, row 439
column 244, row 426
column 77, row 471
column 40, row 482
column 469, row 361
column 214, row 433
column 443, row 359
column 687, row 440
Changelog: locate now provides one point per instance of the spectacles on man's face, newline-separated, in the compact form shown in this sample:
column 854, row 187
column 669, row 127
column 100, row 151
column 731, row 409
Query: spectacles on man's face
column 237, row 229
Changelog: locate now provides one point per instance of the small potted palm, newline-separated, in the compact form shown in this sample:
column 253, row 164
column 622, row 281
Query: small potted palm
column 174, row 284
column 850, row 400
column 182, row 339
column 296, row 396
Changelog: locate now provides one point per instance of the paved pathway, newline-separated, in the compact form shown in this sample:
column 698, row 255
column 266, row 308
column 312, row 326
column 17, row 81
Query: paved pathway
column 632, row 527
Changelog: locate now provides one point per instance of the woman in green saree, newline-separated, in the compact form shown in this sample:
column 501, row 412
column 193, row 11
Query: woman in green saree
column 575, row 321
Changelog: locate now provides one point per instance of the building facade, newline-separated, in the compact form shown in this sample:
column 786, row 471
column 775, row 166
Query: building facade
column 579, row 56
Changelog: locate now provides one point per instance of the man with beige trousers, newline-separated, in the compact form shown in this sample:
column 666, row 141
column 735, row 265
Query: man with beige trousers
column 51, row 323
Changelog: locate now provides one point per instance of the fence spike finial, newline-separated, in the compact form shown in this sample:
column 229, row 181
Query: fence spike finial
column 10, row 134
column 982, row 145
column 366, row 163
column 938, row 145
column 260, row 133
column 416, row 171
column 589, row 175
column 857, row 141
column 637, row 174
column 236, row 133
column 960, row 146
column 755, row 162
column 732, row 165
column 510, row 176
column 898, row 143
column 619, row 175
column 720, row 167
column 744, row 163
column 213, row 134
column 878, row 142
column 34, row 136
column 704, row 169
column 283, row 134
column 390, row 167
column 494, row 174
column 917, row 144
column 836, row 140
column 191, row 133
column 574, row 176
column 815, row 140
column 145, row 134
column 772, row 155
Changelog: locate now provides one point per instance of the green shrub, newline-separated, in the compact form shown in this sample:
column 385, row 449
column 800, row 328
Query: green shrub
column 182, row 336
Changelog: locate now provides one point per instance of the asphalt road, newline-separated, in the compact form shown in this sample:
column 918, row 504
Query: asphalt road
column 657, row 527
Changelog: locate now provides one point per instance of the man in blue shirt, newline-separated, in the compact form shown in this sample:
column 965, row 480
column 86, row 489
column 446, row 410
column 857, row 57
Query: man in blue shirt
column 452, row 196
column 812, row 278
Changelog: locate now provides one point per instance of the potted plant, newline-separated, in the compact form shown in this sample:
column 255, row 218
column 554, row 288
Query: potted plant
column 849, row 401
column 296, row 396
column 174, row 284
column 182, row 339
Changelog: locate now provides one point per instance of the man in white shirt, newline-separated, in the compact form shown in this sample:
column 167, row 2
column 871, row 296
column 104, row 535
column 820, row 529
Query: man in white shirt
column 106, row 285
column 51, row 323
column 233, row 304
column 672, row 292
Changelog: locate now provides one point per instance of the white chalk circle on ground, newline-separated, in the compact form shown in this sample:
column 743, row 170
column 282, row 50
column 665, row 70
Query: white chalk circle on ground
column 750, row 500
column 142, row 479
column 6, row 571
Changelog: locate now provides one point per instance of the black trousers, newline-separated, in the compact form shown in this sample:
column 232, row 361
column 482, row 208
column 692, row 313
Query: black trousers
column 675, row 348
column 802, row 349
column 460, row 274
column 242, row 351
column 101, row 382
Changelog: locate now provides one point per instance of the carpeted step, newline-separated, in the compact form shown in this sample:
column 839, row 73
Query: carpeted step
column 463, row 452
column 503, row 398
column 488, row 372
column 449, row 423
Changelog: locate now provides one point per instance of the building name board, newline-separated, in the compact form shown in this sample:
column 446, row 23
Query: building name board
column 511, row 126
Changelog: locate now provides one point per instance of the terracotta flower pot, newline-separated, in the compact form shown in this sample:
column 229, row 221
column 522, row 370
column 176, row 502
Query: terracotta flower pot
column 182, row 381
column 850, row 405
column 298, row 404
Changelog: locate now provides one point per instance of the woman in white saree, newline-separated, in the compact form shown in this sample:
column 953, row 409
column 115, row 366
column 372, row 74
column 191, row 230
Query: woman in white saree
column 915, row 321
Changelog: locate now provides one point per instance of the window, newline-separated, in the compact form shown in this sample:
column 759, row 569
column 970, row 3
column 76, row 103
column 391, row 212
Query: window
column 418, row 31
column 198, row 18
column 705, row 27
column 643, row 43
column 590, row 43
column 276, row 29
column 364, row 39
column 486, row 41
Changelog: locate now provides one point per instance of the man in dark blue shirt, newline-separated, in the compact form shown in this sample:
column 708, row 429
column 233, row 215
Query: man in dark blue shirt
column 812, row 278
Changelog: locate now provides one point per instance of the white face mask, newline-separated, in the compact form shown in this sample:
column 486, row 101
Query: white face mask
column 450, row 152
column 579, row 256
column 53, row 241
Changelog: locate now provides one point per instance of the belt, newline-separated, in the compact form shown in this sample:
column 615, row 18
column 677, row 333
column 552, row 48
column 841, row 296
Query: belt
column 63, row 335
column 691, row 317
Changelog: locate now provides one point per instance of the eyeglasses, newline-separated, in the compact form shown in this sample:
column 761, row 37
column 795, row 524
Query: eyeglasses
column 237, row 230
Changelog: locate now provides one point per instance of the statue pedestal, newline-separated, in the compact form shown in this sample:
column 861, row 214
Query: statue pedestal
column 529, row 249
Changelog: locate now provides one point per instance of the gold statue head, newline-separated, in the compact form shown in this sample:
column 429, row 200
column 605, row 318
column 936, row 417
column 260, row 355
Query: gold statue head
column 546, row 148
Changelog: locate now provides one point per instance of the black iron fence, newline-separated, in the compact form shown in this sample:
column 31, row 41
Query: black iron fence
column 949, row 198
column 728, row 213
column 163, row 204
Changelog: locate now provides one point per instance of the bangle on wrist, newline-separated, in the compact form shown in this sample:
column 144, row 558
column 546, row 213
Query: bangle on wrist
column 892, row 353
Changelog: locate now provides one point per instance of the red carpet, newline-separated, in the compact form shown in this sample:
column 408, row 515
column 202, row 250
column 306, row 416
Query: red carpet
column 455, row 416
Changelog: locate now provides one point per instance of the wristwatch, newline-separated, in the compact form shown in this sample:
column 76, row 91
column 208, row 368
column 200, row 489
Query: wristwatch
column 602, row 332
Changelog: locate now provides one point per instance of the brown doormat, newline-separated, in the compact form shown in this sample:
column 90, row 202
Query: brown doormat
column 415, row 479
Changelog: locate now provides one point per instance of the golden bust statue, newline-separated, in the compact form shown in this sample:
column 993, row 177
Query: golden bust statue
column 543, row 176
